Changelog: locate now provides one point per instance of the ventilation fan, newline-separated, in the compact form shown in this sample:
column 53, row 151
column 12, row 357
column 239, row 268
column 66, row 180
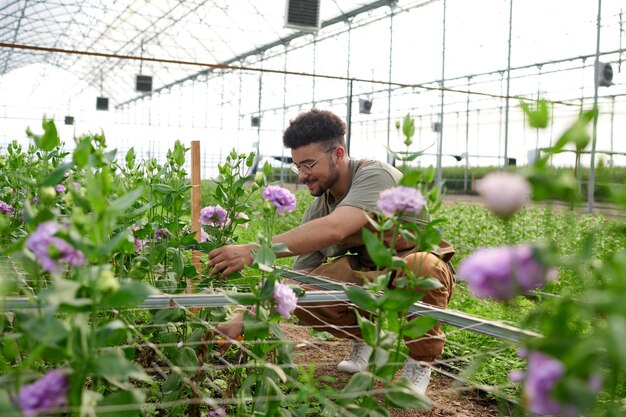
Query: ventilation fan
column 365, row 105
column 303, row 15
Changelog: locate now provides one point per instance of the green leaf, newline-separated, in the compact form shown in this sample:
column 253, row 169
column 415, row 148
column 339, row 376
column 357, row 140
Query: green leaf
column 162, row 188
column 399, row 300
column 112, row 365
column 368, row 330
column 126, row 201
column 244, row 299
column 411, row 178
column 360, row 382
column 7, row 407
column 429, row 283
column 254, row 328
column 404, row 396
column 130, row 158
column 130, row 294
column 617, row 339
column 82, row 152
column 121, row 404
column 111, row 334
column 56, row 176
column 178, row 263
column 63, row 292
column 376, row 249
column 46, row 329
column 265, row 258
column 538, row 115
column 418, row 326
column 50, row 138
column 187, row 358
column 408, row 129
column 361, row 298
column 430, row 239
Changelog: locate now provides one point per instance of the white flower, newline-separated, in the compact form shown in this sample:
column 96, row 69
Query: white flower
column 504, row 193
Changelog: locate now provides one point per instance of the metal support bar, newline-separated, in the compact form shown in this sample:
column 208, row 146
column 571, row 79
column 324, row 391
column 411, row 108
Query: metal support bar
column 330, row 291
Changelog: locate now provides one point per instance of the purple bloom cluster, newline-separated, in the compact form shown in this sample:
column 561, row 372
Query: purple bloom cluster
column 286, row 299
column 139, row 244
column 44, row 395
column 503, row 272
column 400, row 199
column 42, row 240
column 214, row 216
column 504, row 193
column 220, row 412
column 59, row 188
column 540, row 378
column 281, row 198
column 161, row 234
column 6, row 208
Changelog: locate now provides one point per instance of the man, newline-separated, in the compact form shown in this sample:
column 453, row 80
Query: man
column 346, row 190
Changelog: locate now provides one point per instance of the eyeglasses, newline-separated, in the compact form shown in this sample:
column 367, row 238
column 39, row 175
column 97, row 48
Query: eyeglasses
column 308, row 168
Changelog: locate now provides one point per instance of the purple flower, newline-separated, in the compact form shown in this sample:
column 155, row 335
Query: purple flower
column 59, row 188
column 139, row 244
column 401, row 199
column 76, row 185
column 214, row 216
column 540, row 378
column 6, row 208
column 50, row 250
column 35, row 199
column 286, row 299
column 44, row 395
column 503, row 272
column 220, row 412
column 161, row 233
column 281, row 197
column 504, row 193
column 204, row 236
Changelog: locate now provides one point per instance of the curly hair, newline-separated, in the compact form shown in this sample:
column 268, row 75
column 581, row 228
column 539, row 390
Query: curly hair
column 314, row 126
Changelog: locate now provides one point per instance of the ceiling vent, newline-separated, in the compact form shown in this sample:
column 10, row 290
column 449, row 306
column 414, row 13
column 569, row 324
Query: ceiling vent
column 69, row 120
column 303, row 15
column 365, row 106
column 143, row 83
column 255, row 121
column 604, row 74
column 102, row 103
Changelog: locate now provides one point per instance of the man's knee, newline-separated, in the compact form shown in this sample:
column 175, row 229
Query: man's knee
column 426, row 264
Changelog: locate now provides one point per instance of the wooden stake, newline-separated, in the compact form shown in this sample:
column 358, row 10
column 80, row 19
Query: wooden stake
column 196, row 204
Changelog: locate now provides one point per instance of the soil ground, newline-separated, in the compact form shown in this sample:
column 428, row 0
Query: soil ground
column 448, row 398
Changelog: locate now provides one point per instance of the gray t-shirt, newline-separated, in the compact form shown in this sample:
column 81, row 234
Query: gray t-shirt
column 368, row 179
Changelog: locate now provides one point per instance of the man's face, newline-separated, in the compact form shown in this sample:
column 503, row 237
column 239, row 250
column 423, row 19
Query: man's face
column 317, row 167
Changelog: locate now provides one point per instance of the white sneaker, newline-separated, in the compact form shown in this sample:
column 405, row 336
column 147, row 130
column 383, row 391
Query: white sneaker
column 358, row 358
column 418, row 375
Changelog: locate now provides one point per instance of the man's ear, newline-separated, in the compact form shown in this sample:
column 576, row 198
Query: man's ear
column 341, row 152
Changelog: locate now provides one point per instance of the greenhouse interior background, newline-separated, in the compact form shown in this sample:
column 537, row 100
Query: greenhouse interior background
column 232, row 74
column 114, row 274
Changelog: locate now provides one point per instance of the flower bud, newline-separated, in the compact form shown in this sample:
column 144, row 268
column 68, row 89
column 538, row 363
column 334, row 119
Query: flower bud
column 259, row 179
column 47, row 194
column 107, row 283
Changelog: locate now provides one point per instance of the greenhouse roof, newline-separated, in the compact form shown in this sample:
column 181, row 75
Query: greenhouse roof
column 88, row 37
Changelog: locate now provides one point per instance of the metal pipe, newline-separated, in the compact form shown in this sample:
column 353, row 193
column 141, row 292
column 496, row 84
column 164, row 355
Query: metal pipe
column 508, row 90
column 591, row 187
column 439, row 170
column 390, row 159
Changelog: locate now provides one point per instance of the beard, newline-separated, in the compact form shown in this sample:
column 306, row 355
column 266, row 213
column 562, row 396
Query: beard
column 333, row 177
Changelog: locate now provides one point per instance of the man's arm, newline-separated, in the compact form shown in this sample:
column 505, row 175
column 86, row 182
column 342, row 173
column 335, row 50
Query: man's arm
column 308, row 237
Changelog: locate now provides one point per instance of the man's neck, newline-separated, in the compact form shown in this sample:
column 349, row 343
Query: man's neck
column 341, row 187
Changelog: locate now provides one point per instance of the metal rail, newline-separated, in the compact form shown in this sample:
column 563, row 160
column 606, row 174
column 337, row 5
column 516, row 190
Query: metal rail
column 330, row 291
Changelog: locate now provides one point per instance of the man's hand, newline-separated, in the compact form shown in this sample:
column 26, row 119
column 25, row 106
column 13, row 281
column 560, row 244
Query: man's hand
column 230, row 258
